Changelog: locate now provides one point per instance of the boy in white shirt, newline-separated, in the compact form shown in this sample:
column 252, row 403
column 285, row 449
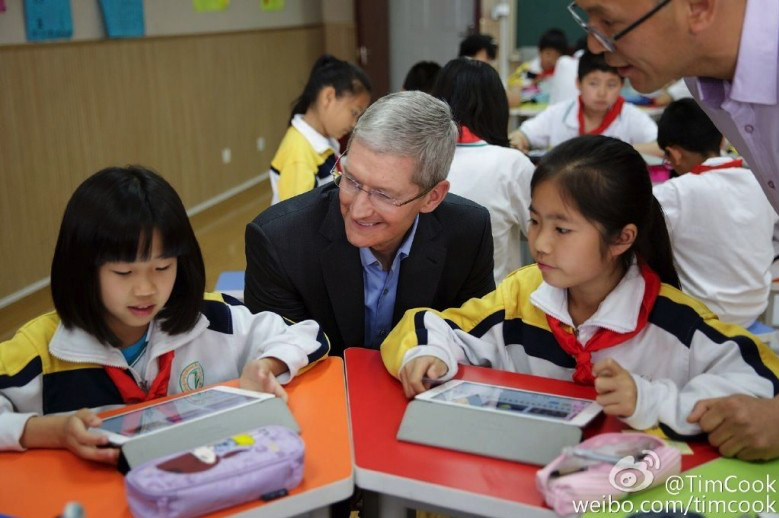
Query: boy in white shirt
column 599, row 110
column 726, row 261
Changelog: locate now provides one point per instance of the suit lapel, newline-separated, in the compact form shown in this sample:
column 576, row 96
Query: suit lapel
column 342, row 271
column 421, row 271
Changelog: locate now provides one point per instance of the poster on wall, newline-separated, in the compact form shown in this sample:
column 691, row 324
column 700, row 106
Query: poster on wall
column 271, row 5
column 2, row 6
column 203, row 6
column 47, row 19
column 123, row 18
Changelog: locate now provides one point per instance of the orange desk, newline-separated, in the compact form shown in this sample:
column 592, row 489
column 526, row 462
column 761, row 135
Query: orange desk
column 425, row 477
column 38, row 483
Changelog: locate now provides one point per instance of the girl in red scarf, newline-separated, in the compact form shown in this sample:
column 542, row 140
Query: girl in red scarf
column 601, row 306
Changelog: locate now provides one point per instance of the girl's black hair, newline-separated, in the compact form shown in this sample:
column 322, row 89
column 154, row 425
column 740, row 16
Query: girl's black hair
column 112, row 216
column 422, row 76
column 343, row 76
column 475, row 93
column 607, row 181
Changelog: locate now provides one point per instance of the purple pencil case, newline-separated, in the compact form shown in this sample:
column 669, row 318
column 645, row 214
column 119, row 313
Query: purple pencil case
column 261, row 464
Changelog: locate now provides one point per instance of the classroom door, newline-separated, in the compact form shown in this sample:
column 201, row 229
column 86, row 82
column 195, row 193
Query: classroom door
column 426, row 30
column 373, row 42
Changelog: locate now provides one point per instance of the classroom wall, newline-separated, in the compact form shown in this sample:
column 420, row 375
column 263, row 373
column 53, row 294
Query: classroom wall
column 175, row 104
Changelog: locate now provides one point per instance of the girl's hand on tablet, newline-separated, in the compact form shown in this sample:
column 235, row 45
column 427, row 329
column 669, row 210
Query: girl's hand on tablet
column 419, row 374
column 260, row 375
column 70, row 432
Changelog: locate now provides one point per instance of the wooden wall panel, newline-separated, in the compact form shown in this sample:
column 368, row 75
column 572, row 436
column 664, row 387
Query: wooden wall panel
column 172, row 104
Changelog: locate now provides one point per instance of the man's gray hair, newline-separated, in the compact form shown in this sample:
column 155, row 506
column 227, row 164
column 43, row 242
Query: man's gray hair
column 412, row 124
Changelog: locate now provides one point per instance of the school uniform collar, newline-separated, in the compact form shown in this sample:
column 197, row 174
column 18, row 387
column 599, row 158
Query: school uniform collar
column 618, row 312
column 78, row 346
column 319, row 142
column 755, row 79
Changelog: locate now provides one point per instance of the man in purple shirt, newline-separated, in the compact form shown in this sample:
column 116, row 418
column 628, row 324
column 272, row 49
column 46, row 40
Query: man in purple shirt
column 728, row 51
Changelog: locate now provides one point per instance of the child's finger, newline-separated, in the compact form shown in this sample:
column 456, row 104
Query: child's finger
column 606, row 367
column 605, row 384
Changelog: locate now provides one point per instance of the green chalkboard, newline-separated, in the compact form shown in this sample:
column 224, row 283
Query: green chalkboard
column 534, row 17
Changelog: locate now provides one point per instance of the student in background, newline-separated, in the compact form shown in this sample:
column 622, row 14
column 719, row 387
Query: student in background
column 422, row 76
column 131, row 323
column 725, row 263
column 599, row 110
column 539, row 71
column 600, row 307
column 479, row 46
column 485, row 169
column 335, row 96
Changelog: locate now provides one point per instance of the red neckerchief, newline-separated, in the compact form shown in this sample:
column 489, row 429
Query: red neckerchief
column 604, row 338
column 700, row 168
column 610, row 117
column 131, row 392
column 545, row 74
column 467, row 136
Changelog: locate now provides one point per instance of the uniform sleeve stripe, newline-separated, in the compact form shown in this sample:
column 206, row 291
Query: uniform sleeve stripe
column 537, row 342
column 322, row 350
column 33, row 368
column 676, row 436
column 678, row 319
column 220, row 318
column 749, row 352
column 419, row 327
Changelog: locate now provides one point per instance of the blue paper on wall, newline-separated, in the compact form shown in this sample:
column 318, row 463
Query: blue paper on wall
column 47, row 19
column 123, row 18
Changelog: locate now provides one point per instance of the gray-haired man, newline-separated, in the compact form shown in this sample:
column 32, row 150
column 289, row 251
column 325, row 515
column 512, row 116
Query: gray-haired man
column 383, row 238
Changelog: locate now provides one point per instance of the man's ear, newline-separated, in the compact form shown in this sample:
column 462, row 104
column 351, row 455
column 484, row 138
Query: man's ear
column 623, row 241
column 436, row 195
column 701, row 14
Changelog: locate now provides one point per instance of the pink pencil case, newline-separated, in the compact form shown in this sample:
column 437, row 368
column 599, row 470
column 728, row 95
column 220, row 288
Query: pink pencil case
column 636, row 462
column 261, row 464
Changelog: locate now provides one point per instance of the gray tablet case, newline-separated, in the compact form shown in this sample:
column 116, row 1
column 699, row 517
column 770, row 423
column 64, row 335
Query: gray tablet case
column 186, row 436
column 494, row 434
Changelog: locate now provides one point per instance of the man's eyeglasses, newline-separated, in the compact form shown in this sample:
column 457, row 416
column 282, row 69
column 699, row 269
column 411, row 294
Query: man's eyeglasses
column 609, row 42
column 352, row 187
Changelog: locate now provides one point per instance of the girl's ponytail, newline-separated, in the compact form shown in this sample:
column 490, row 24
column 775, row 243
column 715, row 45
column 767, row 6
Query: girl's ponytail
column 330, row 71
column 653, row 245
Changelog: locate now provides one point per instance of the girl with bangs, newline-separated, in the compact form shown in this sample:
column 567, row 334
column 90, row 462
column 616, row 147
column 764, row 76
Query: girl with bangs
column 132, row 322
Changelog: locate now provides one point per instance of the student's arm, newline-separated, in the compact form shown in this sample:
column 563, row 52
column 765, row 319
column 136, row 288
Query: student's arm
column 668, row 195
column 724, row 360
column 289, row 347
column 424, row 333
column 295, row 178
column 267, row 287
column 519, row 140
column 650, row 148
column 642, row 131
column 69, row 432
column 537, row 131
column 519, row 190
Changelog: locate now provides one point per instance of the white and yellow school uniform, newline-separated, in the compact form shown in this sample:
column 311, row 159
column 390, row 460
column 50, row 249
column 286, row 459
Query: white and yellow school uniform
column 682, row 355
column 560, row 122
column 303, row 161
column 721, row 227
column 46, row 368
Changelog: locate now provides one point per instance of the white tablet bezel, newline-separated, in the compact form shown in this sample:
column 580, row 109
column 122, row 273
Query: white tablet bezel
column 116, row 439
column 581, row 419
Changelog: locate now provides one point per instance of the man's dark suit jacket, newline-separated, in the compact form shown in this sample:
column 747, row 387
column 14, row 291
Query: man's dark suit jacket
column 300, row 264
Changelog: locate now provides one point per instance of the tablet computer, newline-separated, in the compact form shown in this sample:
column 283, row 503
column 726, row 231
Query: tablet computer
column 185, row 409
column 520, row 402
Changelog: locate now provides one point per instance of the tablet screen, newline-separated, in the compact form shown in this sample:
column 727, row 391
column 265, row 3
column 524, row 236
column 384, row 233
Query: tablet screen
column 534, row 404
column 173, row 412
